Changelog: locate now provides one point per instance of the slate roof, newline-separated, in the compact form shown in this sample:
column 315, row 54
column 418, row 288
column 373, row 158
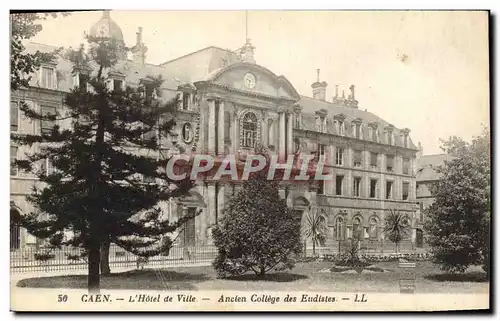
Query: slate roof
column 426, row 166
column 200, row 65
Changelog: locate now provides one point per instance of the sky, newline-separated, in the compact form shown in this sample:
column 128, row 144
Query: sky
column 424, row 70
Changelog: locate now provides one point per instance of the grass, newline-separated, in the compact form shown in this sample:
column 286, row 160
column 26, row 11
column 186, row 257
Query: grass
column 304, row 277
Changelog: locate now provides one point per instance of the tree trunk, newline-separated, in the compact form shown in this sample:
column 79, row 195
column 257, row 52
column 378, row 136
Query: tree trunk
column 105, row 269
column 314, row 248
column 397, row 247
column 94, row 262
column 262, row 271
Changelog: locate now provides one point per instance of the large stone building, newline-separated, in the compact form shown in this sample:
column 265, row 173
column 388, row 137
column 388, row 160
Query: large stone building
column 230, row 103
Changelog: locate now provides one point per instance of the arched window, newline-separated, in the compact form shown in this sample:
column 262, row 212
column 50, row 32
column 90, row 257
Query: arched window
column 249, row 130
column 373, row 232
column 339, row 228
column 356, row 229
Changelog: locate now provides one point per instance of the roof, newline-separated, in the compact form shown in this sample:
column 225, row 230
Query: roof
column 426, row 166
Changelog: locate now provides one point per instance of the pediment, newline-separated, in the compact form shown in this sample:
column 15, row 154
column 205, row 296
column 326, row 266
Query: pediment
column 255, row 80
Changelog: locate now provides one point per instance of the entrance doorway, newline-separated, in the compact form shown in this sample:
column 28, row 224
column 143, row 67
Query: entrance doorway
column 190, row 229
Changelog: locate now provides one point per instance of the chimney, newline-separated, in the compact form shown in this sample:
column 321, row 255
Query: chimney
column 319, row 88
column 139, row 50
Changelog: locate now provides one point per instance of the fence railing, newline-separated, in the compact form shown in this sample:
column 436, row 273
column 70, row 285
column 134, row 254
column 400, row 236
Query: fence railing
column 46, row 259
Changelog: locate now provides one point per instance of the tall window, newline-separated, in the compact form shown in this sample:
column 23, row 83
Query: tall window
column 47, row 167
column 373, row 229
column 358, row 158
column 339, row 228
column 340, row 127
column 406, row 166
column 388, row 190
column 47, row 125
column 374, row 159
column 296, row 143
column 185, row 101
column 421, row 204
column 321, row 152
column 270, row 135
column 339, row 156
column 357, row 130
column 117, row 84
column 389, row 163
column 356, row 229
column 321, row 187
column 47, row 80
column 249, row 125
column 389, row 138
column 14, row 116
column 297, row 120
column 373, row 132
column 357, row 186
column 406, row 191
column 13, row 158
column 339, row 180
column 373, row 188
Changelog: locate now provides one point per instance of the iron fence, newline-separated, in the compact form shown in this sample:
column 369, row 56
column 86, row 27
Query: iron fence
column 46, row 259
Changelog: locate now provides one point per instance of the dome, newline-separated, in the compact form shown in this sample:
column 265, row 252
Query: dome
column 106, row 27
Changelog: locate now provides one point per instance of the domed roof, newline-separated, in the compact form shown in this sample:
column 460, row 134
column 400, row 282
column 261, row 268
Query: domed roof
column 106, row 27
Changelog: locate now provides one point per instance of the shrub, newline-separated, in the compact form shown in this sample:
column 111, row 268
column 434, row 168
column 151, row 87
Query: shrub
column 258, row 232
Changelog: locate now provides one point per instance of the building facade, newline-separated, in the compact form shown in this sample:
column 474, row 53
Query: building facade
column 228, row 105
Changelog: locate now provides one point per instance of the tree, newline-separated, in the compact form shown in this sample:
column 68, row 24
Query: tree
column 396, row 227
column 458, row 224
column 315, row 228
column 99, row 189
column 22, row 64
column 257, row 232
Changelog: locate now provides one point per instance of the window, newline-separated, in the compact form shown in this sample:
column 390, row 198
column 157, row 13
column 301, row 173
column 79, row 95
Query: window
column 388, row 190
column 297, row 120
column 321, row 152
column 296, row 143
column 47, row 79
column 339, row 156
column 321, row 124
column 339, row 127
column 373, row 188
column 373, row 229
column 13, row 158
column 14, row 116
column 117, row 84
column 357, row 130
column 374, row 159
column 389, row 138
column 47, row 167
column 185, row 101
column 47, row 125
column 321, row 187
column 339, row 179
column 356, row 228
column 373, row 132
column 406, row 166
column 406, row 190
column 389, row 163
column 187, row 132
column 270, row 129
column 339, row 229
column 356, row 187
column 249, row 134
column 358, row 158
column 421, row 212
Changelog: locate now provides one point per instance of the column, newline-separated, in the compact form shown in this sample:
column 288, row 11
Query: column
column 290, row 134
column 235, row 139
column 281, row 135
column 220, row 124
column 211, row 126
column 211, row 211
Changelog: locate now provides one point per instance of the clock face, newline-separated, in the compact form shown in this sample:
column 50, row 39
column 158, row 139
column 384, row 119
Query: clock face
column 249, row 80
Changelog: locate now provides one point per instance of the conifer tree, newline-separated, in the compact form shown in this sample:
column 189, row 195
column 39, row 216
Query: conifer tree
column 98, row 189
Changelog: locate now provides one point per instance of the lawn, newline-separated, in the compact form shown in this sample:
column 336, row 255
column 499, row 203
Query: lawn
column 305, row 276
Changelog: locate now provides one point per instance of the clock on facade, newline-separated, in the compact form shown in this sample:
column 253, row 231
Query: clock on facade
column 249, row 80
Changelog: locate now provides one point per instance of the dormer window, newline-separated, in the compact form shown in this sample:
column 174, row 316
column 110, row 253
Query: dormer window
column 357, row 129
column 186, row 98
column 373, row 132
column 48, row 77
column 339, row 123
column 81, row 80
column 117, row 84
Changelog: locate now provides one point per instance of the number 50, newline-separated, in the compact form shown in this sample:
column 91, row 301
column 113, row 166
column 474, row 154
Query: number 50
column 62, row 298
